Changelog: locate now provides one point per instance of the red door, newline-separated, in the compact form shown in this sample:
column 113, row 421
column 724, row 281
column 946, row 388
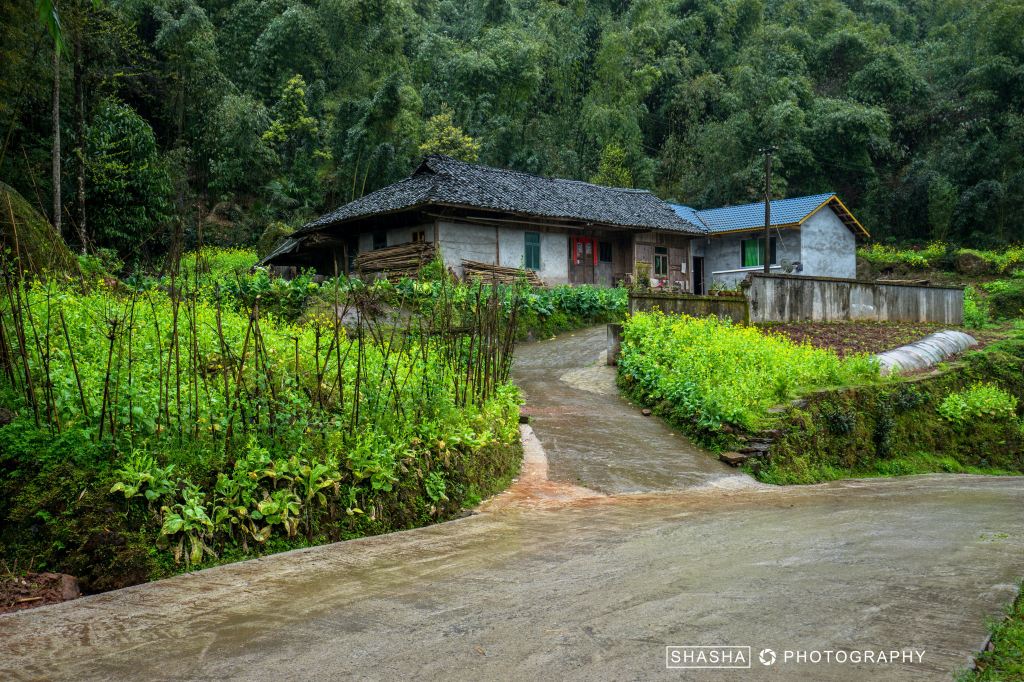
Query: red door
column 582, row 259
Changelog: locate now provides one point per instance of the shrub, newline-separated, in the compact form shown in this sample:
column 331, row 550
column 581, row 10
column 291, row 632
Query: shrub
column 883, row 255
column 218, row 263
column 978, row 402
column 1005, row 261
column 713, row 372
column 940, row 254
column 976, row 312
column 1005, row 297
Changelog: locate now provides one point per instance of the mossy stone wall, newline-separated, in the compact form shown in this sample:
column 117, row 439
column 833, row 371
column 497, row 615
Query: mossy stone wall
column 844, row 431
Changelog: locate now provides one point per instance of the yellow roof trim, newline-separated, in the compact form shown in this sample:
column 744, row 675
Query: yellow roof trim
column 849, row 214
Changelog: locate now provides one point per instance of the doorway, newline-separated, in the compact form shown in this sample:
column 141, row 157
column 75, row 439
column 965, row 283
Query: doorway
column 582, row 259
column 698, row 275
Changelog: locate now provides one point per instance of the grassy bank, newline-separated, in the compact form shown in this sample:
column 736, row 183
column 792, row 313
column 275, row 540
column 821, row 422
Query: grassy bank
column 963, row 418
column 1004, row 661
column 807, row 415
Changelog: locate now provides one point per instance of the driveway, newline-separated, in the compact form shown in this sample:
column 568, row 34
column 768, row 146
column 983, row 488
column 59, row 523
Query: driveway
column 556, row 579
column 593, row 436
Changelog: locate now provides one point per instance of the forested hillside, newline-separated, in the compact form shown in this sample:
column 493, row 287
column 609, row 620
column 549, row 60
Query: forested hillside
column 272, row 110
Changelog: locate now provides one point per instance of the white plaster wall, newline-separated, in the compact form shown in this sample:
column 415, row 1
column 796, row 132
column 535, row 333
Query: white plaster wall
column 461, row 241
column 554, row 257
column 828, row 248
column 512, row 245
column 403, row 235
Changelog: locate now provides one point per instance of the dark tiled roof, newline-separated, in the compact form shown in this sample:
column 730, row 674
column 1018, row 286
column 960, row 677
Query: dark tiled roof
column 444, row 180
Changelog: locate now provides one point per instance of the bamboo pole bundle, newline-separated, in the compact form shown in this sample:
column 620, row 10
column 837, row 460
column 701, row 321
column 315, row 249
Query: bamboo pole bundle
column 498, row 274
column 403, row 260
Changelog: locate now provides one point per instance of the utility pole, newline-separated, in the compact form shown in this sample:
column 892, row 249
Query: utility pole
column 768, row 151
column 55, row 154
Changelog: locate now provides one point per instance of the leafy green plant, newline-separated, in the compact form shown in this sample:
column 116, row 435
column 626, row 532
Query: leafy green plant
column 435, row 486
column 1005, row 297
column 282, row 508
column 141, row 477
column 189, row 522
column 980, row 401
column 976, row 312
column 312, row 480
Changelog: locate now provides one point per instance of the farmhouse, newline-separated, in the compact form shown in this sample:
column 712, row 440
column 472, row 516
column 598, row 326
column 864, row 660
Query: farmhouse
column 571, row 232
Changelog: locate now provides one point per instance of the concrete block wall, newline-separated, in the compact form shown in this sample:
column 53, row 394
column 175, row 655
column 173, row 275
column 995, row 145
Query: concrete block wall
column 827, row 247
column 788, row 298
column 725, row 307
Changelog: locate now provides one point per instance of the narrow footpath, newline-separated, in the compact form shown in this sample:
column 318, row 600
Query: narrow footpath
column 592, row 436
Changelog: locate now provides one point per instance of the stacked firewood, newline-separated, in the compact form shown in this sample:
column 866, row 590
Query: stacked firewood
column 404, row 260
column 496, row 273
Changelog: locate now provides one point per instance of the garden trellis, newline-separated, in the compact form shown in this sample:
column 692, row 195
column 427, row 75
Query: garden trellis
column 184, row 358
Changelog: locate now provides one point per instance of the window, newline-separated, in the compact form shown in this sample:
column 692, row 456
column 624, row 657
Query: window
column 531, row 251
column 419, row 236
column 380, row 239
column 605, row 251
column 661, row 261
column 752, row 252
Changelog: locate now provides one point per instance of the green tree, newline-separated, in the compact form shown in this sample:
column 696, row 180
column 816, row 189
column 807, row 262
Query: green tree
column 241, row 157
column 294, row 136
column 128, row 188
column 444, row 137
column 187, row 47
column 613, row 171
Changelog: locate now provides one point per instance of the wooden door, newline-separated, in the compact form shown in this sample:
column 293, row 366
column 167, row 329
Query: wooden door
column 582, row 259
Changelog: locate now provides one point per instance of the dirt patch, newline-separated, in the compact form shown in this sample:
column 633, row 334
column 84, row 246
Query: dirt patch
column 848, row 338
column 19, row 592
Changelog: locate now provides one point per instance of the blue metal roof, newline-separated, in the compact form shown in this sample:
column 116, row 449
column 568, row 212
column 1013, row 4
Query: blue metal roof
column 751, row 216
column 690, row 215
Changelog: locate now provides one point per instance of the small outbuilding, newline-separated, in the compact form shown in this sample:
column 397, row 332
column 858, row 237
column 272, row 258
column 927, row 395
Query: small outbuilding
column 814, row 236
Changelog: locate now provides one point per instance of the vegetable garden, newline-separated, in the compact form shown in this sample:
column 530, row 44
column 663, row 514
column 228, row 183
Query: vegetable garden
column 206, row 415
column 707, row 373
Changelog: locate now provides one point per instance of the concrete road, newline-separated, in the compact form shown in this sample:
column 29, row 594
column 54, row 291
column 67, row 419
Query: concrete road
column 554, row 579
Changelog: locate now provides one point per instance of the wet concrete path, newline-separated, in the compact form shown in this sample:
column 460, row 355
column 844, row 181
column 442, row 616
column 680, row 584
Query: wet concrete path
column 592, row 436
column 558, row 581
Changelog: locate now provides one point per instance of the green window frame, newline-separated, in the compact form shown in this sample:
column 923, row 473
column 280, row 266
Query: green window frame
column 661, row 261
column 752, row 252
column 531, row 250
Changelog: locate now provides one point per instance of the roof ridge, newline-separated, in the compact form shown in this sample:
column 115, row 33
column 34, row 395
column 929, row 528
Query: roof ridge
column 757, row 203
column 513, row 171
